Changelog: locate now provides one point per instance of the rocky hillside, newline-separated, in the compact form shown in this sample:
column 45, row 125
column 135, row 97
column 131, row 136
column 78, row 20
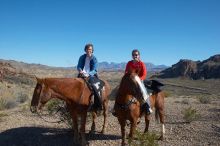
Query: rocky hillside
column 10, row 74
column 206, row 69
column 37, row 69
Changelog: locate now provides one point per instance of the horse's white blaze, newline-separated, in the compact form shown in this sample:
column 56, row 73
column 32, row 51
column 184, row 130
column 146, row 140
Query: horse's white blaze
column 143, row 90
column 162, row 128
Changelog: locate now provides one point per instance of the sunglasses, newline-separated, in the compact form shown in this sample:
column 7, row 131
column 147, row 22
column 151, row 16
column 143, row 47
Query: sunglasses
column 135, row 54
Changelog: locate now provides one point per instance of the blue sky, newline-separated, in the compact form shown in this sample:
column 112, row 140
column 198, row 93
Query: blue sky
column 54, row 32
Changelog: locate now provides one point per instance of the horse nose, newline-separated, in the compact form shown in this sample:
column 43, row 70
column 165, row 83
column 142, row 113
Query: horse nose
column 33, row 109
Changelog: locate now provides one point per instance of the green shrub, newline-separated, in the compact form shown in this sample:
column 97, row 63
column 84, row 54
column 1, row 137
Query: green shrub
column 3, row 115
column 11, row 104
column 21, row 98
column 190, row 115
column 167, row 93
column 204, row 100
column 144, row 139
column 7, row 104
column 52, row 105
column 2, row 104
column 185, row 101
column 58, row 107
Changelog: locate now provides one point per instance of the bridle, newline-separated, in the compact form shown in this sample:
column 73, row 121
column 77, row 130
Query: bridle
column 132, row 100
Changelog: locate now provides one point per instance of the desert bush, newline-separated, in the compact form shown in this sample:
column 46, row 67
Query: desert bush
column 21, row 97
column 3, row 115
column 2, row 104
column 190, row 115
column 11, row 104
column 52, row 105
column 18, row 79
column 204, row 100
column 144, row 139
column 167, row 93
column 58, row 107
column 185, row 101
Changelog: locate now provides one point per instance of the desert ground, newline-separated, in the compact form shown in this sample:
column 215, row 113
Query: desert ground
column 20, row 127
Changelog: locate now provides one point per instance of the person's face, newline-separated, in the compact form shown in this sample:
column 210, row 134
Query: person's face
column 89, row 51
column 136, row 56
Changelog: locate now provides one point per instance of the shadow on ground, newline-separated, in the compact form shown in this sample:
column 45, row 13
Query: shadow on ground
column 38, row 136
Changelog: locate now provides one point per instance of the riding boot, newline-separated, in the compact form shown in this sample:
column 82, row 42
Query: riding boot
column 91, row 104
column 148, row 109
column 145, row 108
column 98, row 101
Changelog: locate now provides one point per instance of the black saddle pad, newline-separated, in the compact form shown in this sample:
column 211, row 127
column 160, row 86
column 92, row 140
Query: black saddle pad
column 97, row 83
column 153, row 84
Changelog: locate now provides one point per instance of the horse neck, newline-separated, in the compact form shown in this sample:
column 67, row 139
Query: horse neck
column 58, row 87
column 124, row 93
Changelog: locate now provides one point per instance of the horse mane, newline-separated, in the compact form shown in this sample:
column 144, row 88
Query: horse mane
column 127, row 85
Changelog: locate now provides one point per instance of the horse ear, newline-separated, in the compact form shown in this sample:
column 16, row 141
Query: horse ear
column 131, row 70
column 39, row 80
column 138, row 71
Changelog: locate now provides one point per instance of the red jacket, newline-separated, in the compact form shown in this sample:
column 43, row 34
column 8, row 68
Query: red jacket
column 137, row 65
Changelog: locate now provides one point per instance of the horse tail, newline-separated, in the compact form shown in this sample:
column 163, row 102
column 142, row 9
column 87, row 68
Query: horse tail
column 157, row 114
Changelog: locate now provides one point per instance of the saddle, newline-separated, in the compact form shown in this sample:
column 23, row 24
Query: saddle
column 153, row 85
column 95, row 85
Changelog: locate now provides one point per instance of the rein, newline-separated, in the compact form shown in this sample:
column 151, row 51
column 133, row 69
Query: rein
column 59, row 121
column 133, row 100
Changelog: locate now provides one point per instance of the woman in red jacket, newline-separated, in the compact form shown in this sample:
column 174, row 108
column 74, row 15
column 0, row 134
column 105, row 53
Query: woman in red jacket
column 136, row 63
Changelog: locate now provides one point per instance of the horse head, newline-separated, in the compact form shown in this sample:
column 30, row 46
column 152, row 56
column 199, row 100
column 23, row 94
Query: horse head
column 129, row 85
column 41, row 95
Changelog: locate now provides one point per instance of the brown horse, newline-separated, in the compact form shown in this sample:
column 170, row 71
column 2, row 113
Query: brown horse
column 76, row 94
column 127, row 105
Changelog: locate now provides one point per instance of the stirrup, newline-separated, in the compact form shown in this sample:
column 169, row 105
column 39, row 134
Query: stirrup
column 149, row 111
column 114, row 114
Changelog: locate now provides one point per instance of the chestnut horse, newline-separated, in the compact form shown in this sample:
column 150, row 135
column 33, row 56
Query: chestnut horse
column 128, row 107
column 76, row 94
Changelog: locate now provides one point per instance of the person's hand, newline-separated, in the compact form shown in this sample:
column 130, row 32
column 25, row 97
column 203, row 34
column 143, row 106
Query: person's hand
column 82, row 75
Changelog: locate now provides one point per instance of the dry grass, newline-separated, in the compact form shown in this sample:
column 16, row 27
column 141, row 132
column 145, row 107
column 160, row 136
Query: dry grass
column 190, row 114
column 205, row 99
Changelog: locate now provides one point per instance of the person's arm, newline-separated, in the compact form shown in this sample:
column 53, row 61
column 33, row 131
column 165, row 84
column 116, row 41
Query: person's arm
column 127, row 67
column 79, row 65
column 144, row 71
column 93, row 71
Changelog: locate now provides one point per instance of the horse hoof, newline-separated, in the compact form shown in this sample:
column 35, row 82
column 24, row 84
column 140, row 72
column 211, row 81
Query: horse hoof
column 92, row 132
column 103, row 131
column 161, row 138
column 85, row 144
column 76, row 142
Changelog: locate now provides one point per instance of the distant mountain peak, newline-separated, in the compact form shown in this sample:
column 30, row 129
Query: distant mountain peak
column 121, row 66
column 209, row 68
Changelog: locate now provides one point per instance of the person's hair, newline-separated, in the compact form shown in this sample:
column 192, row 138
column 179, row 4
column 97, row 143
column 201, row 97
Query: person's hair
column 87, row 46
column 135, row 50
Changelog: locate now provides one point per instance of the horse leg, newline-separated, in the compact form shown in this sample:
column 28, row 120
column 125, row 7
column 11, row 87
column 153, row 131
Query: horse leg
column 94, row 117
column 122, row 124
column 147, row 122
column 161, row 115
column 133, row 128
column 82, row 129
column 105, row 114
column 75, row 127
